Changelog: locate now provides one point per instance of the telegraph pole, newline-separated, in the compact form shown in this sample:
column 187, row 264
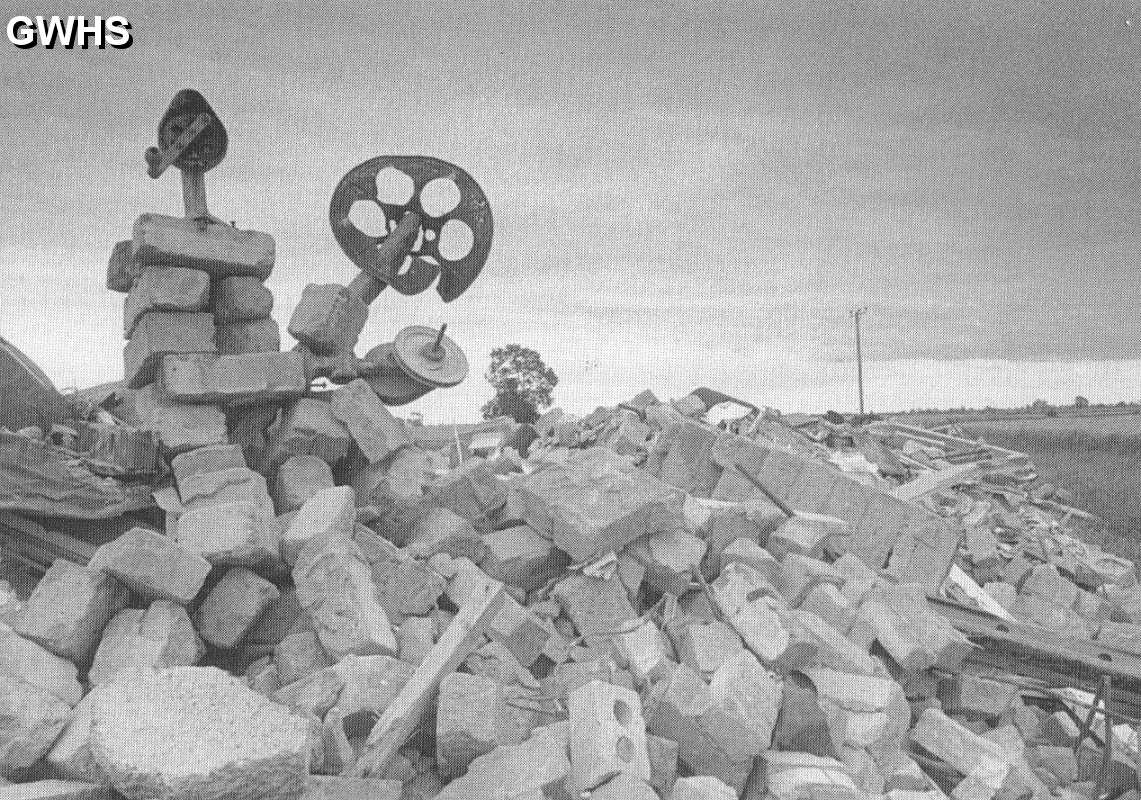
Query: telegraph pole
column 856, row 314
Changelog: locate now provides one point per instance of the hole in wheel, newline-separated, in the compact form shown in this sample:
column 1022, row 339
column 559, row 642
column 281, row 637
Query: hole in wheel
column 456, row 240
column 368, row 218
column 439, row 197
column 394, row 186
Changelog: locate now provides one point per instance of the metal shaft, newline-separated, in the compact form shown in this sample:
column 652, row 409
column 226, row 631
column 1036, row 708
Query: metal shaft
column 390, row 255
column 859, row 312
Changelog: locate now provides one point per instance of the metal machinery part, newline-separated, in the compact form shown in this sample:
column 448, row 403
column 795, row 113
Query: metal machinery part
column 424, row 261
column 430, row 357
column 190, row 136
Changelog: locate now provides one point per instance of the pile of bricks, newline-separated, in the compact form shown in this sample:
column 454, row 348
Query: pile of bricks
column 638, row 605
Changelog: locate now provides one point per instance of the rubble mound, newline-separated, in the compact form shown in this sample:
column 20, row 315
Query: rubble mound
column 197, row 732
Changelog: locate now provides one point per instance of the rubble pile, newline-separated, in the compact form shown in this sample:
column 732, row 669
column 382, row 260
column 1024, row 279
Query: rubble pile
column 631, row 604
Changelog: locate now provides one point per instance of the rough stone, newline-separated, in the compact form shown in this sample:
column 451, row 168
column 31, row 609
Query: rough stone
column 519, row 556
column 179, row 427
column 242, row 533
column 241, row 298
column 31, row 719
column 327, row 514
column 165, row 289
column 233, row 606
column 298, row 480
column 328, row 318
column 214, row 458
column 159, row 636
column 297, row 655
column 68, row 610
column 240, row 338
column 240, row 379
column 240, row 745
column 309, row 428
column 472, row 719
column 162, row 333
column 376, row 431
column 27, row 661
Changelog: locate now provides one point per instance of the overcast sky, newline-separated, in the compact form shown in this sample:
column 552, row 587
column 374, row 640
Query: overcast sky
column 684, row 195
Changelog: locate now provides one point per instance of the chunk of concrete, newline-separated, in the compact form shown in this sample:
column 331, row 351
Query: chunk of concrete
column 669, row 558
column 239, row 379
column 219, row 249
column 31, row 718
column 165, row 289
column 233, row 606
column 241, row 298
column 179, row 427
column 519, row 556
column 328, row 787
column 298, row 480
column 71, row 755
column 68, row 610
column 161, row 333
column 442, row 530
column 596, row 606
column 122, row 268
column 472, row 719
column 309, row 428
column 240, row 338
column 328, row 318
column 607, row 735
column 376, row 431
column 243, row 533
column 297, row 655
column 233, row 485
column 539, row 764
column 53, row 789
column 159, row 636
column 972, row 755
column 371, row 683
column 596, row 502
column 705, row 646
column 746, row 600
column 806, row 534
column 214, row 458
column 27, row 661
column 327, row 514
column 334, row 584
column 701, row 787
column 240, row 745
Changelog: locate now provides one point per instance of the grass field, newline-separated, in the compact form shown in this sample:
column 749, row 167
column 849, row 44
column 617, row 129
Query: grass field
column 1096, row 457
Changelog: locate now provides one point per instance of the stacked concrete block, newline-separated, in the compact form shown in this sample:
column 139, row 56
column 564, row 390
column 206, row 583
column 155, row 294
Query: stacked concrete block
column 197, row 319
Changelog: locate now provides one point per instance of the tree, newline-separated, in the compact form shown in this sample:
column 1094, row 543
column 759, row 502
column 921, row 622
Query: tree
column 1081, row 402
column 523, row 383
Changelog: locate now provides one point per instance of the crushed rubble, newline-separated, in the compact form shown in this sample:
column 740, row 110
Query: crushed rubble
column 640, row 605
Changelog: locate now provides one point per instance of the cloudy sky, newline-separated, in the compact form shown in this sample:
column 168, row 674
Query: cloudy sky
column 684, row 194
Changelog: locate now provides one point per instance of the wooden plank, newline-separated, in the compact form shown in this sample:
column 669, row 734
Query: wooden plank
column 400, row 720
column 943, row 440
column 934, row 479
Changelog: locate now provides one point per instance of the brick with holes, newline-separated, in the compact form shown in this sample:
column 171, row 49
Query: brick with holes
column 607, row 735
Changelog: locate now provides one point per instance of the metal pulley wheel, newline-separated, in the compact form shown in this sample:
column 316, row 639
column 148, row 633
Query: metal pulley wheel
column 190, row 136
column 428, row 356
column 425, row 261
column 390, row 382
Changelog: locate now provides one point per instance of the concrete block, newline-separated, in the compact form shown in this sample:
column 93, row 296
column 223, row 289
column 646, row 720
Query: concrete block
column 749, row 692
column 233, row 485
column 162, row 333
column 240, row 745
column 71, row 755
column 442, row 530
column 165, row 289
column 663, row 763
column 152, row 565
column 607, row 735
column 800, row 573
column 31, row 718
column 242, row 533
column 1044, row 580
column 806, row 534
column 54, row 789
column 328, row 514
column 596, row 606
column 519, row 556
column 407, row 587
column 220, row 250
column 685, row 458
column 669, row 558
column 803, row 724
column 29, row 662
column 828, row 602
column 644, row 652
column 334, row 584
column 179, row 427
column 233, row 606
column 705, row 646
column 624, row 786
column 309, row 428
column 972, row 755
column 241, row 298
column 473, row 491
column 122, row 268
column 328, row 318
column 702, row 787
column 756, row 620
column 159, row 636
column 792, row 775
column 596, row 503
column 313, row 695
column 214, row 458
column 539, row 763
column 376, row 431
column 298, row 655
column 240, row 338
column 68, row 610
column 833, row 649
column 472, row 719
column 248, row 378
column 747, row 551
column 298, row 480
column 967, row 693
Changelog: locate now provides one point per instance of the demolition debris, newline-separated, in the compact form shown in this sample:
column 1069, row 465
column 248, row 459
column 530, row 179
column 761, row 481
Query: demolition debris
column 260, row 582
